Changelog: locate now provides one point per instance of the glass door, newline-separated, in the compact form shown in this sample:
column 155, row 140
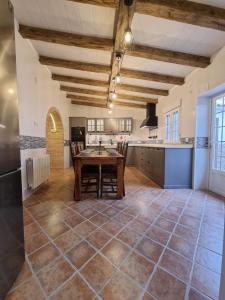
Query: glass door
column 217, row 164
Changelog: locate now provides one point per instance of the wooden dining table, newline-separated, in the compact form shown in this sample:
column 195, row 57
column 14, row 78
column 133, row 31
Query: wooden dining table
column 99, row 157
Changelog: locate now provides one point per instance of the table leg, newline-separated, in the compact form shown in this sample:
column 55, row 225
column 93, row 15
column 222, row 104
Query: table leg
column 120, row 179
column 77, row 181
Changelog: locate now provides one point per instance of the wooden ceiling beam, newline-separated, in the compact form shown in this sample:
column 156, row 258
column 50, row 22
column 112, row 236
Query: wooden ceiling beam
column 82, row 91
column 142, row 89
column 97, row 43
column 169, row 56
column 86, row 98
column 185, row 12
column 80, row 80
column 64, row 38
column 152, row 76
column 89, row 67
column 127, row 104
column 76, row 65
column 88, row 103
column 100, row 83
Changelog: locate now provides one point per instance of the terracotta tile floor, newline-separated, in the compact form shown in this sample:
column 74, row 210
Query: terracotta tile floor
column 153, row 245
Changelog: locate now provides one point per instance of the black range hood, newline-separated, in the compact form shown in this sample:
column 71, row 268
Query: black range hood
column 151, row 120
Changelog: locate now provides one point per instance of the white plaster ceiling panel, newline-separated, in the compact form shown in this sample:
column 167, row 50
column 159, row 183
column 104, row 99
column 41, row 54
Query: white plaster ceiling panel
column 77, row 73
column 172, row 35
column 146, row 83
column 66, row 16
column 154, row 66
column 121, row 91
column 73, row 53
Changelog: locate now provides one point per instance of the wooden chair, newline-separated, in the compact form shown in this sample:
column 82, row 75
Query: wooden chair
column 119, row 147
column 109, row 175
column 89, row 173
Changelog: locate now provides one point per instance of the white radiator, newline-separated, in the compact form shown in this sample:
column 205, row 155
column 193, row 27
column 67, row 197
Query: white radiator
column 38, row 170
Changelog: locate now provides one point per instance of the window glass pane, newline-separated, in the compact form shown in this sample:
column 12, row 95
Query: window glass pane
column 223, row 149
column 222, row 166
column 219, row 105
column 219, row 120
column 218, row 134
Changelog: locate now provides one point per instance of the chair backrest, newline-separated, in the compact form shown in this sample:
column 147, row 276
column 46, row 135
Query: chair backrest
column 124, row 150
column 119, row 147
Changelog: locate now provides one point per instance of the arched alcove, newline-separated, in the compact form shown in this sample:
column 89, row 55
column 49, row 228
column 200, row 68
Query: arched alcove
column 55, row 139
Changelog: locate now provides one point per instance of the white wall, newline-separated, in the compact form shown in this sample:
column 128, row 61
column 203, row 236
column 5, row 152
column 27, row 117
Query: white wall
column 138, row 116
column 37, row 93
column 196, row 84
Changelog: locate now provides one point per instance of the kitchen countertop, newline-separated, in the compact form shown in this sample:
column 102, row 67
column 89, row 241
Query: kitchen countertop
column 147, row 145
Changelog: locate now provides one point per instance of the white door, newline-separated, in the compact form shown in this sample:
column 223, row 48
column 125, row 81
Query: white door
column 217, row 161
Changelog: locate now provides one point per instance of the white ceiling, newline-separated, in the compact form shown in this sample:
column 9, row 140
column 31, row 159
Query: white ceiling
column 68, row 16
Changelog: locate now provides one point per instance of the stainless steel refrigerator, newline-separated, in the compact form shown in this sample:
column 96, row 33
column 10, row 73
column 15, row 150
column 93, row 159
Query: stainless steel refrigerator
column 11, row 210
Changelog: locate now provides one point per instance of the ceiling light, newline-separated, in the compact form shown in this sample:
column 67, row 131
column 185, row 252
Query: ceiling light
column 128, row 36
column 114, row 96
column 118, row 78
column 110, row 105
column 11, row 91
column 109, row 112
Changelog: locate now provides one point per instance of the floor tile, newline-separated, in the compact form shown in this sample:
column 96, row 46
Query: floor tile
column 150, row 249
column 129, row 236
column 112, row 227
column 123, row 218
column 57, row 229
column 74, row 220
column 169, row 215
column 74, row 289
column 182, row 246
column 98, row 271
column 194, row 295
column 165, row 224
column 206, row 281
column 99, row 238
column 88, row 213
column 43, row 256
column 191, row 222
column 176, row 265
column 84, row 229
column 138, row 268
column 99, row 219
column 157, row 234
column 111, row 211
column 115, row 251
column 53, row 275
column 120, row 287
column 186, row 233
column 31, row 229
column 164, row 286
column 35, row 242
column 80, row 254
column 147, row 296
column 67, row 240
column 138, row 226
column 209, row 259
column 27, row 291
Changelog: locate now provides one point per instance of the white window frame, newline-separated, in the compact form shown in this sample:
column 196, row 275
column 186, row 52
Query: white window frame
column 214, row 131
column 172, row 130
column 100, row 125
column 91, row 125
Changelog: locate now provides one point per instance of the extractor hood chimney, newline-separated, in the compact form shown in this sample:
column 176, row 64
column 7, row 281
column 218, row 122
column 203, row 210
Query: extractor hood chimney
column 151, row 120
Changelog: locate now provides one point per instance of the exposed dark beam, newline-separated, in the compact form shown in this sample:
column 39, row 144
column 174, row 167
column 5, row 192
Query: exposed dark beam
column 82, row 91
column 80, row 80
column 88, row 103
column 86, row 98
column 64, row 38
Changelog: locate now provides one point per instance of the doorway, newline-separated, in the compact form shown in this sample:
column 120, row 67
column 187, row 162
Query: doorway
column 217, row 161
column 55, row 139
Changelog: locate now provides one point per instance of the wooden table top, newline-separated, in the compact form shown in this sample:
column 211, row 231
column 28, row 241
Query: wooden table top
column 90, row 153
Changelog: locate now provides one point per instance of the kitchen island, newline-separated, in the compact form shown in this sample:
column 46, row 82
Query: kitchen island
column 168, row 165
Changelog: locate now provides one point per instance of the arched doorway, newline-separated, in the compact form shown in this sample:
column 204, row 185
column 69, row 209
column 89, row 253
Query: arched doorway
column 55, row 139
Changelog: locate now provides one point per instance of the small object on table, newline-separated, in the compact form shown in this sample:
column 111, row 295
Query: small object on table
column 100, row 145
